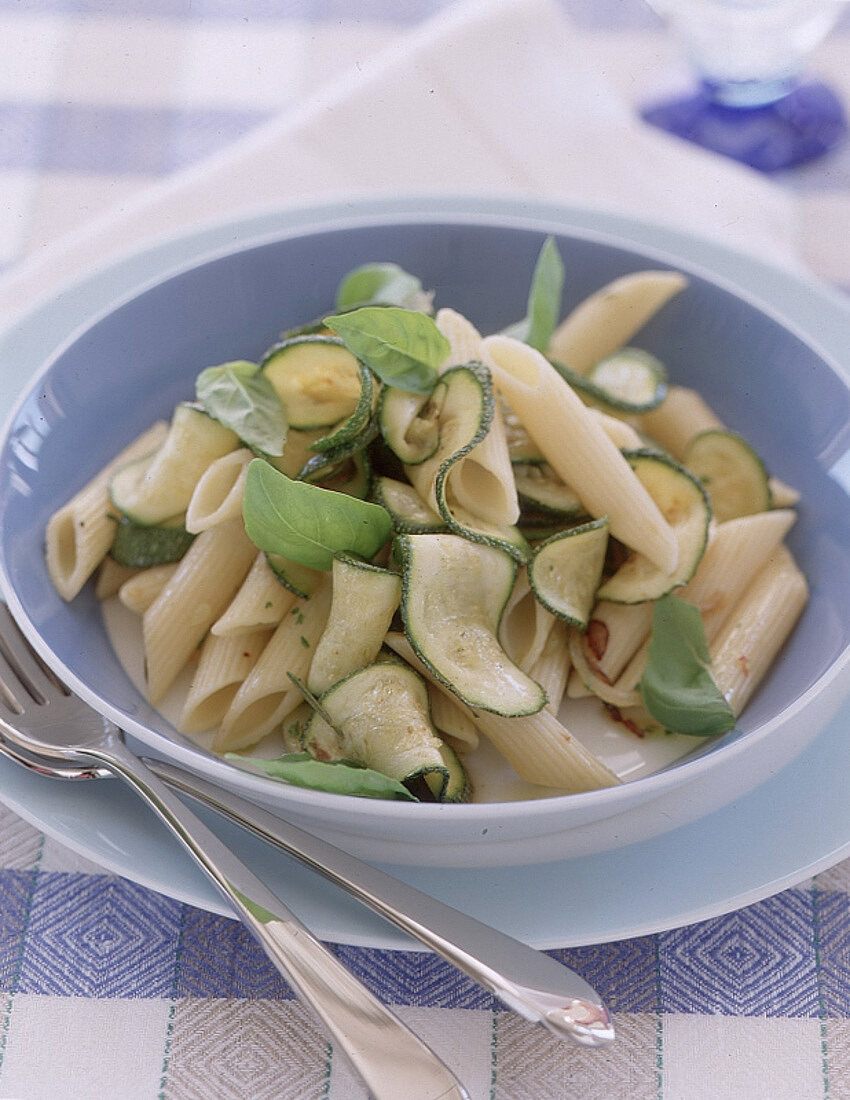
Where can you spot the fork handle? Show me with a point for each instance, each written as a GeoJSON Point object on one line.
{"type": "Point", "coordinates": [389, 1058]}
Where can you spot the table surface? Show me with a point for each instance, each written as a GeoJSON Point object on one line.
{"type": "Point", "coordinates": [110, 990]}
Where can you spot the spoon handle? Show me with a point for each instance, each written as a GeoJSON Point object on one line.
{"type": "Point", "coordinates": [533, 984]}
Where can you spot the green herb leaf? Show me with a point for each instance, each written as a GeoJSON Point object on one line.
{"type": "Point", "coordinates": [306, 523]}
{"type": "Point", "coordinates": [240, 396]}
{"type": "Point", "coordinates": [544, 299]}
{"type": "Point", "coordinates": [677, 686]}
{"type": "Point", "coordinates": [336, 776]}
{"type": "Point", "coordinates": [403, 347]}
{"type": "Point", "coordinates": [377, 284]}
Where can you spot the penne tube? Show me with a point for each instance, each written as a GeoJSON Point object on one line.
{"type": "Point", "coordinates": [757, 628]}
{"type": "Point", "coordinates": [537, 746]}
{"type": "Point", "coordinates": [268, 695]}
{"type": "Point", "coordinates": [609, 318]}
{"type": "Point", "coordinates": [621, 693]}
{"type": "Point", "coordinates": [552, 668]}
{"type": "Point", "coordinates": [193, 598]}
{"type": "Point", "coordinates": [681, 415]}
{"type": "Point", "coordinates": [450, 719]}
{"type": "Point", "coordinates": [525, 624]}
{"type": "Point", "coordinates": [217, 497]}
{"type": "Point", "coordinates": [736, 551]}
{"type": "Point", "coordinates": [261, 602]}
{"type": "Point", "coordinates": [110, 577]}
{"type": "Point", "coordinates": [223, 666]}
{"type": "Point", "coordinates": [80, 533]}
{"type": "Point", "coordinates": [620, 432]}
{"type": "Point", "coordinates": [614, 634]}
{"type": "Point", "coordinates": [579, 450]}
{"type": "Point", "coordinates": [463, 337]}
{"type": "Point", "coordinates": [138, 593]}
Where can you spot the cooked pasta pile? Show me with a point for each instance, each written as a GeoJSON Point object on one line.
{"type": "Point", "coordinates": [554, 516]}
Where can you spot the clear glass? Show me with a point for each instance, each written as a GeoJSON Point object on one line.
{"type": "Point", "coordinates": [750, 57]}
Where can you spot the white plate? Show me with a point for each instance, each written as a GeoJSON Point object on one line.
{"type": "Point", "coordinates": [681, 876]}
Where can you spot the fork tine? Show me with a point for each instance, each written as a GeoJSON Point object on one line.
{"type": "Point", "coordinates": [24, 664]}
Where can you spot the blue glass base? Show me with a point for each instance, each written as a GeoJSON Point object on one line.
{"type": "Point", "coordinates": [800, 126]}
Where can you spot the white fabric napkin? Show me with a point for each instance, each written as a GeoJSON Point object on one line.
{"type": "Point", "coordinates": [491, 97]}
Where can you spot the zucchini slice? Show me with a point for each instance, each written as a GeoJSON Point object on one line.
{"type": "Point", "coordinates": [357, 426]}
{"type": "Point", "coordinates": [632, 380]}
{"type": "Point", "coordinates": [629, 382]}
{"type": "Point", "coordinates": [159, 486]}
{"type": "Point", "coordinates": [565, 571]}
{"type": "Point", "coordinates": [408, 511]}
{"type": "Point", "coordinates": [464, 399]}
{"type": "Point", "coordinates": [733, 474]}
{"type": "Point", "coordinates": [317, 379]}
{"type": "Point", "coordinates": [365, 598]}
{"type": "Point", "coordinates": [453, 595]}
{"type": "Point", "coordinates": [381, 719]}
{"type": "Point", "coordinates": [684, 503]}
{"type": "Point", "coordinates": [140, 546]}
{"type": "Point", "coordinates": [410, 423]}
{"type": "Point", "coordinates": [541, 490]}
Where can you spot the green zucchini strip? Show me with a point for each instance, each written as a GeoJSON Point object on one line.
{"type": "Point", "coordinates": [565, 570]}
{"type": "Point", "coordinates": [684, 504]}
{"type": "Point", "coordinates": [365, 598]}
{"type": "Point", "coordinates": [381, 719]}
{"type": "Point", "coordinates": [453, 595]}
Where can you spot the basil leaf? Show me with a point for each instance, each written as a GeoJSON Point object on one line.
{"type": "Point", "coordinates": [677, 686]}
{"type": "Point", "coordinates": [240, 396]}
{"type": "Point", "coordinates": [402, 346]}
{"type": "Point", "coordinates": [544, 299]}
{"type": "Point", "coordinates": [307, 523]}
{"type": "Point", "coordinates": [336, 776]}
{"type": "Point", "coordinates": [377, 284]}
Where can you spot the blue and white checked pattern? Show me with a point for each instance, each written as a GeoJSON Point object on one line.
{"type": "Point", "coordinates": [109, 990]}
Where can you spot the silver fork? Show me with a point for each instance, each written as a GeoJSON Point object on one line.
{"type": "Point", "coordinates": [533, 984]}
{"type": "Point", "coordinates": [45, 718]}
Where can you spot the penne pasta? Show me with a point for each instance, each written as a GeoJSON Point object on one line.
{"type": "Point", "coordinates": [193, 598]}
{"type": "Point", "coordinates": [138, 592]}
{"type": "Point", "coordinates": [217, 497]}
{"type": "Point", "coordinates": [261, 602]}
{"type": "Point", "coordinates": [268, 695]}
{"type": "Point", "coordinates": [451, 719]}
{"type": "Point", "coordinates": [757, 628]}
{"type": "Point", "coordinates": [110, 577]}
{"type": "Point", "coordinates": [525, 625]}
{"type": "Point", "coordinates": [552, 668]}
{"type": "Point", "coordinates": [580, 451]}
{"type": "Point", "coordinates": [609, 318]}
{"type": "Point", "coordinates": [681, 415]}
{"type": "Point", "coordinates": [223, 665]}
{"type": "Point", "coordinates": [80, 533]}
{"type": "Point", "coordinates": [736, 550]}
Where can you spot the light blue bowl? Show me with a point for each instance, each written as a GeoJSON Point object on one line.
{"type": "Point", "coordinates": [124, 369]}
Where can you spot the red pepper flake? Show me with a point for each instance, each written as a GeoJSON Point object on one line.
{"type": "Point", "coordinates": [630, 724]}
{"type": "Point", "coordinates": [597, 638]}
{"type": "Point", "coordinates": [744, 662]}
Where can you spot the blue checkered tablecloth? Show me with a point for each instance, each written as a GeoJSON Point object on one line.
{"type": "Point", "coordinates": [110, 990]}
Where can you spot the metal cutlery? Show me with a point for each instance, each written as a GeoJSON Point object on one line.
{"type": "Point", "coordinates": [533, 984]}
{"type": "Point", "coordinates": [41, 716]}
